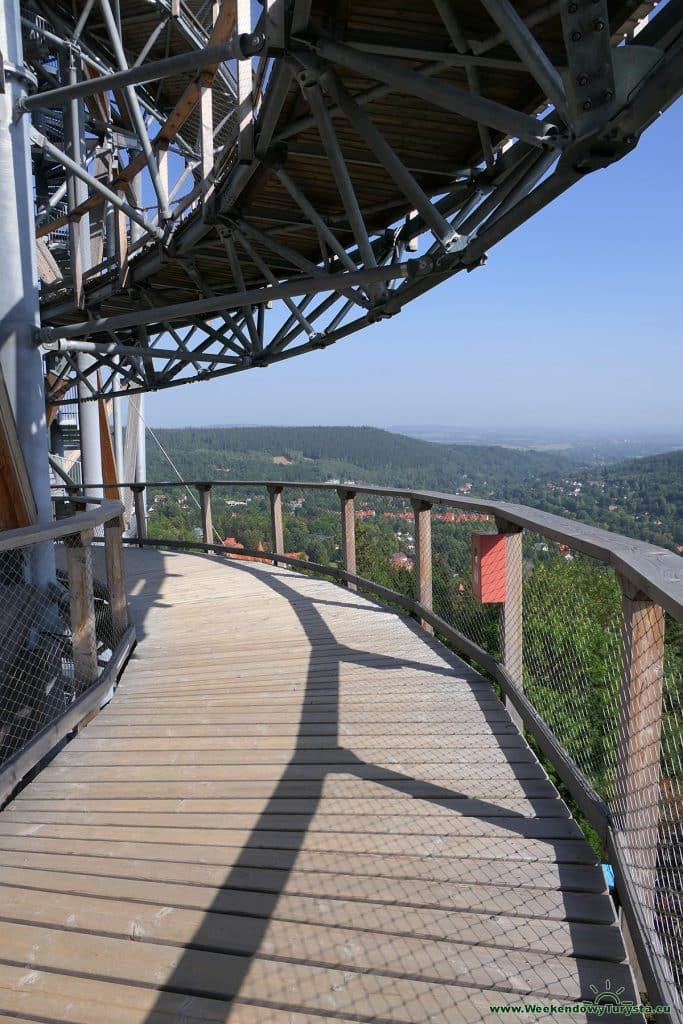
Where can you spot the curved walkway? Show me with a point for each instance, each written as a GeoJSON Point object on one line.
{"type": "Point", "coordinates": [297, 809]}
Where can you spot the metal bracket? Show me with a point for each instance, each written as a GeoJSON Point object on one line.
{"type": "Point", "coordinates": [19, 74]}
{"type": "Point", "coordinates": [276, 33]}
{"type": "Point", "coordinates": [590, 75]}
{"type": "Point", "coordinates": [631, 65]}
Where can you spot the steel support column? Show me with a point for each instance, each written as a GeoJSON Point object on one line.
{"type": "Point", "coordinates": [89, 421]}
{"type": "Point", "coordinates": [141, 458]}
{"type": "Point", "coordinates": [20, 360]}
{"type": "Point", "coordinates": [117, 410]}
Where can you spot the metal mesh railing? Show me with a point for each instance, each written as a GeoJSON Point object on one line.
{"type": "Point", "coordinates": [310, 526]}
{"type": "Point", "coordinates": [385, 544]}
{"type": "Point", "coordinates": [37, 679]}
{"type": "Point", "coordinates": [593, 664]}
{"type": "Point", "coordinates": [603, 666]}
{"type": "Point", "coordinates": [36, 664]}
{"type": "Point", "coordinates": [58, 635]}
{"type": "Point", "coordinates": [453, 597]}
{"type": "Point", "coordinates": [570, 629]}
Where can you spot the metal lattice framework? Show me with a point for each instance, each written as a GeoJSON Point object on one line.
{"type": "Point", "coordinates": [214, 192]}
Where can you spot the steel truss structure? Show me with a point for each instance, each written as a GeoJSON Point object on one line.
{"type": "Point", "coordinates": [215, 192]}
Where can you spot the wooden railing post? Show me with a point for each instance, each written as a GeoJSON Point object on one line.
{"type": "Point", "coordinates": [113, 555]}
{"type": "Point", "coordinates": [140, 519]}
{"type": "Point", "coordinates": [348, 531]}
{"type": "Point", "coordinates": [640, 735]}
{"type": "Point", "coordinates": [82, 607]}
{"type": "Point", "coordinates": [205, 503]}
{"type": "Point", "coordinates": [511, 619]}
{"type": "Point", "coordinates": [275, 494]}
{"type": "Point", "coordinates": [423, 556]}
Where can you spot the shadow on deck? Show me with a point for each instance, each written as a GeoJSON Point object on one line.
{"type": "Point", "coordinates": [304, 809]}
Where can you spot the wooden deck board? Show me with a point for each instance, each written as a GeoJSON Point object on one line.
{"type": "Point", "coordinates": [301, 809]}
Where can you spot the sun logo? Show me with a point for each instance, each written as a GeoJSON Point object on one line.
{"type": "Point", "coordinates": [608, 994]}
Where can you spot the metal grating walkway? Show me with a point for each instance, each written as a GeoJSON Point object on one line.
{"type": "Point", "coordinates": [297, 808]}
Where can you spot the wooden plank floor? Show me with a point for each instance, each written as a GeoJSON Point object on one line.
{"type": "Point", "coordinates": [297, 808]}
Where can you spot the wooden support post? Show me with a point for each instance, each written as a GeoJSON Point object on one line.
{"type": "Point", "coordinates": [348, 530]}
{"type": "Point", "coordinates": [423, 556]}
{"type": "Point", "coordinates": [511, 619]}
{"type": "Point", "coordinates": [640, 734]}
{"type": "Point", "coordinates": [276, 520]}
{"type": "Point", "coordinates": [82, 605]}
{"type": "Point", "coordinates": [113, 555]}
{"type": "Point", "coordinates": [205, 503]}
{"type": "Point", "coordinates": [140, 518]}
{"type": "Point", "coordinates": [17, 503]}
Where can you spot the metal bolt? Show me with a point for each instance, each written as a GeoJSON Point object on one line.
{"type": "Point", "coordinates": [598, 24]}
{"type": "Point", "coordinates": [587, 104]}
{"type": "Point", "coordinates": [576, 36]}
{"type": "Point", "coordinates": [573, 8]}
{"type": "Point", "coordinates": [607, 95]}
{"type": "Point", "coordinates": [582, 79]}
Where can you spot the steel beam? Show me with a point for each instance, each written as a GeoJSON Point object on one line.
{"type": "Point", "coordinates": [314, 217]}
{"type": "Point", "coordinates": [235, 300]}
{"type": "Point", "coordinates": [245, 102]}
{"type": "Point", "coordinates": [89, 425]}
{"type": "Point", "coordinates": [452, 25]}
{"type": "Point", "coordinates": [269, 276]}
{"type": "Point", "coordinates": [291, 256]}
{"type": "Point", "coordinates": [440, 227]}
{"type": "Point", "coordinates": [441, 94]}
{"type": "Point", "coordinates": [80, 24]}
{"type": "Point", "coordinates": [134, 111]}
{"type": "Point", "coordinates": [525, 45]}
{"type": "Point", "coordinates": [236, 269]}
{"type": "Point", "coordinates": [94, 183]}
{"type": "Point", "coordinates": [342, 177]}
{"type": "Point", "coordinates": [109, 348]}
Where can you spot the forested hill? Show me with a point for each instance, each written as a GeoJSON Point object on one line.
{"type": "Point", "coordinates": [363, 454]}
{"type": "Point", "coordinates": [641, 497]}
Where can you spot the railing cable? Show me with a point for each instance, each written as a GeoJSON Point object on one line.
{"type": "Point", "coordinates": [175, 469]}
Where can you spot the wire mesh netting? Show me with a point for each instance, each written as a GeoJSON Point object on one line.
{"type": "Point", "coordinates": [385, 543]}
{"type": "Point", "coordinates": [171, 513]}
{"type": "Point", "coordinates": [604, 668]}
{"type": "Point", "coordinates": [453, 596]}
{"type": "Point", "coordinates": [241, 519]}
{"type": "Point", "coordinates": [311, 526]}
{"type": "Point", "coordinates": [37, 678]}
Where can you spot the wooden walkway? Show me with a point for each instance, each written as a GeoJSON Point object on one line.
{"type": "Point", "coordinates": [298, 809]}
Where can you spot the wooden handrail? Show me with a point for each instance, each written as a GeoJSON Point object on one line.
{"type": "Point", "coordinates": [102, 513]}
{"type": "Point", "coordinates": [654, 571]}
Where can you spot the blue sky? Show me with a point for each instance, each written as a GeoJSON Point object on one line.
{"type": "Point", "coordinates": [576, 321]}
